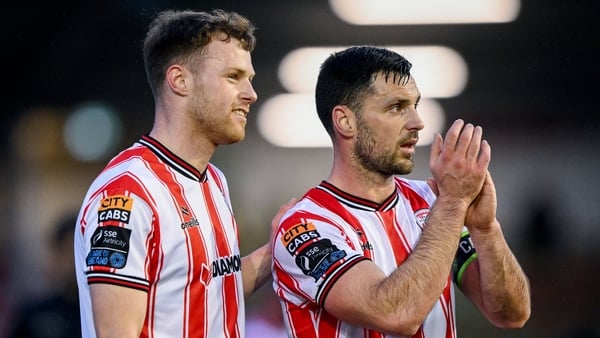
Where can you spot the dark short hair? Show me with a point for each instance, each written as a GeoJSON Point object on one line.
{"type": "Point", "coordinates": [177, 36]}
{"type": "Point", "coordinates": [345, 78]}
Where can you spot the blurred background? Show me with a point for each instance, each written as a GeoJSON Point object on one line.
{"type": "Point", "coordinates": [527, 71]}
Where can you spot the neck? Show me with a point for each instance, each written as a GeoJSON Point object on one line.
{"type": "Point", "coordinates": [190, 148]}
{"type": "Point", "coordinates": [360, 182]}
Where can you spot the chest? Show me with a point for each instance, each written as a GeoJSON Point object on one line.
{"type": "Point", "coordinates": [388, 237]}
{"type": "Point", "coordinates": [197, 227]}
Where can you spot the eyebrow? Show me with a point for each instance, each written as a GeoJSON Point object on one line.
{"type": "Point", "coordinates": [240, 71]}
{"type": "Point", "coordinates": [403, 102]}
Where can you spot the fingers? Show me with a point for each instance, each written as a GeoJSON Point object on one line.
{"type": "Point", "coordinates": [289, 204]}
{"type": "Point", "coordinates": [485, 154]}
{"type": "Point", "coordinates": [283, 208]}
{"type": "Point", "coordinates": [452, 136]}
{"type": "Point", "coordinates": [436, 149]}
{"type": "Point", "coordinates": [464, 140]}
{"type": "Point", "coordinates": [489, 183]}
{"type": "Point", "coordinates": [467, 143]}
{"type": "Point", "coordinates": [474, 142]}
{"type": "Point", "coordinates": [460, 160]}
{"type": "Point", "coordinates": [277, 218]}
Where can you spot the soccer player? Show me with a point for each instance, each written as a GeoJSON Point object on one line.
{"type": "Point", "coordinates": [156, 242]}
{"type": "Point", "coordinates": [367, 253]}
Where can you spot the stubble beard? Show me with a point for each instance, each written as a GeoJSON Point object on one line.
{"type": "Point", "coordinates": [220, 128]}
{"type": "Point", "coordinates": [383, 161]}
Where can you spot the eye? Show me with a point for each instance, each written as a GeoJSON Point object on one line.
{"type": "Point", "coordinates": [397, 108]}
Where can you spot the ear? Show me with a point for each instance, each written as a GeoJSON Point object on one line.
{"type": "Point", "coordinates": [344, 121]}
{"type": "Point", "coordinates": [178, 79]}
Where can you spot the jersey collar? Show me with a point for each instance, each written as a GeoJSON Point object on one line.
{"type": "Point", "coordinates": [171, 159]}
{"type": "Point", "coordinates": [359, 202]}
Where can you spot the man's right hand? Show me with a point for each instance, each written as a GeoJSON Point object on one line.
{"type": "Point", "coordinates": [459, 162]}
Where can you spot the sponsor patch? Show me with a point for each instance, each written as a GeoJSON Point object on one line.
{"type": "Point", "coordinates": [226, 265]}
{"type": "Point", "coordinates": [299, 234]}
{"type": "Point", "coordinates": [192, 222]}
{"type": "Point", "coordinates": [109, 247]}
{"type": "Point", "coordinates": [317, 257]}
{"type": "Point", "coordinates": [115, 208]}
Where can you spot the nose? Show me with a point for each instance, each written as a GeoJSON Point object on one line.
{"type": "Point", "coordinates": [248, 94]}
{"type": "Point", "coordinates": [415, 122]}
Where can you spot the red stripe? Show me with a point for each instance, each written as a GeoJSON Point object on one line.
{"type": "Point", "coordinates": [419, 333]}
{"type": "Point", "coordinates": [127, 184]}
{"type": "Point", "coordinates": [395, 235]}
{"type": "Point", "coordinates": [230, 289]}
{"type": "Point", "coordinates": [447, 307]}
{"type": "Point", "coordinates": [108, 280]}
{"type": "Point", "coordinates": [300, 321]}
{"type": "Point", "coordinates": [329, 202]}
{"type": "Point", "coordinates": [373, 334]}
{"type": "Point", "coordinates": [196, 315]}
{"type": "Point", "coordinates": [197, 307]}
{"type": "Point", "coordinates": [329, 326]}
{"type": "Point", "coordinates": [287, 280]}
{"type": "Point", "coordinates": [416, 201]}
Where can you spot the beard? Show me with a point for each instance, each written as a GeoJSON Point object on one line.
{"type": "Point", "coordinates": [384, 160]}
{"type": "Point", "coordinates": [210, 120]}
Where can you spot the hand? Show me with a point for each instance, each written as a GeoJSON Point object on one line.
{"type": "Point", "coordinates": [277, 218]}
{"type": "Point", "coordinates": [431, 183]}
{"type": "Point", "coordinates": [256, 266]}
{"type": "Point", "coordinates": [459, 163]}
{"type": "Point", "coordinates": [482, 212]}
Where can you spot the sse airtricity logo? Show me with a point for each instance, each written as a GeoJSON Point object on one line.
{"type": "Point", "coordinates": [109, 247]}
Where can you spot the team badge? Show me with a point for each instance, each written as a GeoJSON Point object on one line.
{"type": "Point", "coordinates": [421, 216]}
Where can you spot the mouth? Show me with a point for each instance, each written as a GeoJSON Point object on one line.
{"type": "Point", "coordinates": [241, 112]}
{"type": "Point", "coordinates": [410, 145]}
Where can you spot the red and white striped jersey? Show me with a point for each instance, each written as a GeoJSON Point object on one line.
{"type": "Point", "coordinates": [327, 232]}
{"type": "Point", "coordinates": [151, 221]}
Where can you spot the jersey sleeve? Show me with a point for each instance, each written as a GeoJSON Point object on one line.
{"type": "Point", "coordinates": [310, 253]}
{"type": "Point", "coordinates": [119, 235]}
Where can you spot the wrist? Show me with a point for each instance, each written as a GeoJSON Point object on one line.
{"type": "Point", "coordinates": [485, 229]}
{"type": "Point", "coordinates": [458, 206]}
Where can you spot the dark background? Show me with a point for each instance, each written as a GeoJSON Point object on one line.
{"type": "Point", "coordinates": [536, 72]}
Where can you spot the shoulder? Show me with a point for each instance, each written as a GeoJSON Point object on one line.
{"type": "Point", "coordinates": [216, 175]}
{"type": "Point", "coordinates": [129, 173]}
{"type": "Point", "coordinates": [213, 170]}
{"type": "Point", "coordinates": [418, 187]}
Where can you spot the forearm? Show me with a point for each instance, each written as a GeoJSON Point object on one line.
{"type": "Point", "coordinates": [505, 294]}
{"type": "Point", "coordinates": [412, 290]}
{"type": "Point", "coordinates": [256, 269]}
